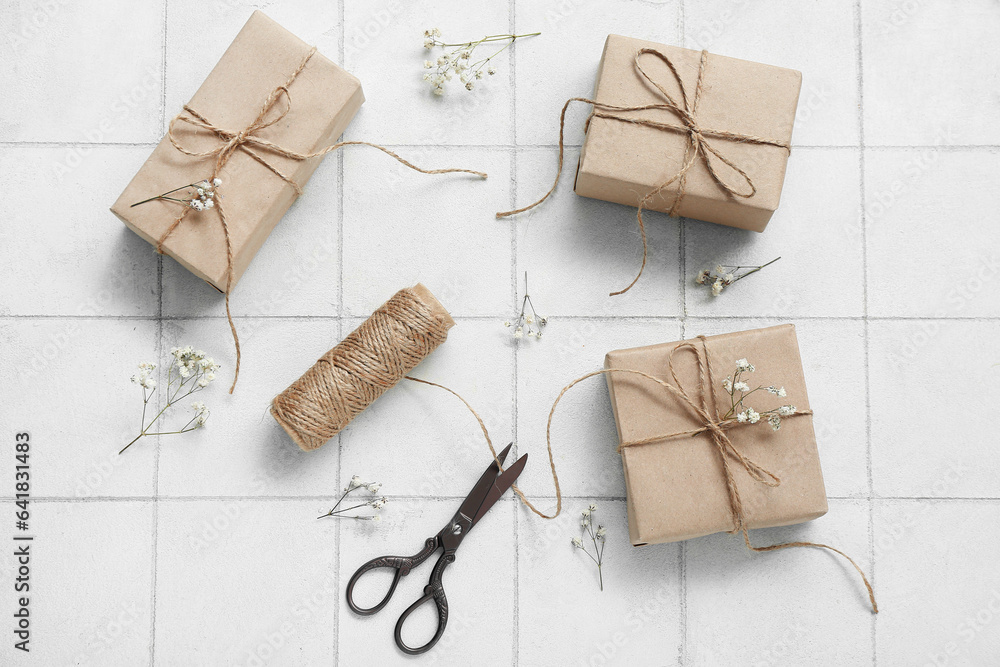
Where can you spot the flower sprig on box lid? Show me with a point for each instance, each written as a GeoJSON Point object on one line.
{"type": "Point", "coordinates": [200, 197]}
{"type": "Point", "coordinates": [457, 59]}
{"type": "Point", "coordinates": [739, 389]}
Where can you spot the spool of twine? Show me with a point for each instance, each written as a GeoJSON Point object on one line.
{"type": "Point", "coordinates": [371, 360]}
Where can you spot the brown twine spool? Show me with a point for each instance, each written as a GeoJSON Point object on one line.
{"type": "Point", "coordinates": [372, 359]}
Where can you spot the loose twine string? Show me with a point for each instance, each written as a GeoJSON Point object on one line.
{"type": "Point", "coordinates": [373, 358]}
{"type": "Point", "coordinates": [713, 424]}
{"type": "Point", "coordinates": [246, 140]}
{"type": "Point", "coordinates": [403, 331]}
{"type": "Point", "coordinates": [698, 145]}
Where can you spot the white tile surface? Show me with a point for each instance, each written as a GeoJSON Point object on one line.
{"type": "Point", "coordinates": [918, 571]}
{"type": "Point", "coordinates": [929, 74]}
{"type": "Point", "coordinates": [912, 271]}
{"type": "Point", "coordinates": [280, 612]}
{"type": "Point", "coordinates": [204, 549]}
{"type": "Point", "coordinates": [819, 43]}
{"type": "Point", "coordinates": [438, 229]}
{"type": "Point", "coordinates": [115, 272]}
{"type": "Point", "coordinates": [384, 48]}
{"type": "Point", "coordinates": [814, 233]}
{"type": "Point", "coordinates": [106, 58]}
{"type": "Point", "coordinates": [913, 452]}
{"type": "Point", "coordinates": [578, 250]}
{"type": "Point", "coordinates": [634, 620]}
{"type": "Point", "coordinates": [797, 606]}
{"type": "Point", "coordinates": [100, 599]}
{"type": "Point", "coordinates": [77, 432]}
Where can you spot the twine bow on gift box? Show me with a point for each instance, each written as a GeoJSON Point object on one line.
{"type": "Point", "coordinates": [698, 145]}
{"type": "Point", "coordinates": [248, 141]}
{"type": "Point", "coordinates": [717, 427]}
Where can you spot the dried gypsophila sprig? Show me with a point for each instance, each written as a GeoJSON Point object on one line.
{"type": "Point", "coordinates": [200, 197]}
{"type": "Point", "coordinates": [725, 275]}
{"type": "Point", "coordinates": [737, 384]}
{"type": "Point", "coordinates": [459, 59]}
{"type": "Point", "coordinates": [596, 537]}
{"type": "Point", "coordinates": [190, 371]}
{"type": "Point", "coordinates": [529, 323]}
{"type": "Point", "coordinates": [376, 502]}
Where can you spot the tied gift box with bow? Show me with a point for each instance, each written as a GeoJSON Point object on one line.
{"type": "Point", "coordinates": [708, 446]}
{"type": "Point", "coordinates": [685, 132]}
{"type": "Point", "coordinates": [249, 138]}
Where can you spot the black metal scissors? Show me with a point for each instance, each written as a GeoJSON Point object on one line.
{"type": "Point", "coordinates": [484, 494]}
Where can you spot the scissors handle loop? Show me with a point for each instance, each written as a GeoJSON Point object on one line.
{"type": "Point", "coordinates": [402, 565]}
{"type": "Point", "coordinates": [433, 591]}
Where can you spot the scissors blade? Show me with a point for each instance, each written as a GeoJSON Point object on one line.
{"type": "Point", "coordinates": [500, 486]}
{"type": "Point", "coordinates": [475, 498]}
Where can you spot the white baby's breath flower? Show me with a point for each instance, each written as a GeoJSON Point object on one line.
{"type": "Point", "coordinates": [438, 90]}
{"type": "Point", "coordinates": [601, 532]}
{"type": "Point", "coordinates": [786, 410]}
{"type": "Point", "coordinates": [216, 182]}
{"type": "Point", "coordinates": [775, 422]}
{"type": "Point", "coordinates": [727, 384]}
{"type": "Point", "coordinates": [741, 417]}
{"type": "Point", "coordinates": [469, 85]}
{"type": "Point", "coordinates": [374, 487]}
{"type": "Point", "coordinates": [519, 332]}
{"type": "Point", "coordinates": [744, 365]}
{"type": "Point", "coordinates": [752, 415]}
{"type": "Point", "coordinates": [428, 43]}
{"type": "Point", "coordinates": [717, 287]}
{"type": "Point", "coordinates": [491, 70]}
{"type": "Point", "coordinates": [592, 507]}
{"type": "Point", "coordinates": [377, 517]}
{"type": "Point", "coordinates": [741, 386]}
{"type": "Point", "coordinates": [702, 276]}
{"type": "Point", "coordinates": [577, 542]}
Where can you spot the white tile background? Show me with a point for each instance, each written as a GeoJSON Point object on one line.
{"type": "Point", "coordinates": [203, 550]}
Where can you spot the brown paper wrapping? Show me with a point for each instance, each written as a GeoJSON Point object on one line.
{"type": "Point", "coordinates": [324, 99]}
{"type": "Point", "coordinates": [676, 487]}
{"type": "Point", "coordinates": [622, 162]}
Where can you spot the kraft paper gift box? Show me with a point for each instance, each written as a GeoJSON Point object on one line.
{"type": "Point", "coordinates": [622, 161]}
{"type": "Point", "coordinates": [676, 486]}
{"type": "Point", "coordinates": [321, 102]}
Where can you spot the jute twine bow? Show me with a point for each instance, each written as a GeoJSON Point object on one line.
{"type": "Point", "coordinates": [362, 367]}
{"type": "Point", "coordinates": [248, 141]}
{"type": "Point", "coordinates": [717, 427]}
{"type": "Point", "coordinates": [698, 145]}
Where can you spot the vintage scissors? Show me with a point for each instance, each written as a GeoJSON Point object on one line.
{"type": "Point", "coordinates": [483, 496]}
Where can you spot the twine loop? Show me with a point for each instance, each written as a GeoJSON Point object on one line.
{"type": "Point", "coordinates": [698, 144]}
{"type": "Point", "coordinates": [706, 412]}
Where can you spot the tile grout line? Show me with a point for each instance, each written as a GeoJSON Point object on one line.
{"type": "Point", "coordinates": [512, 24]}
{"type": "Point", "coordinates": [341, 12]}
{"type": "Point", "coordinates": [859, 32]}
{"type": "Point", "coordinates": [159, 354]}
